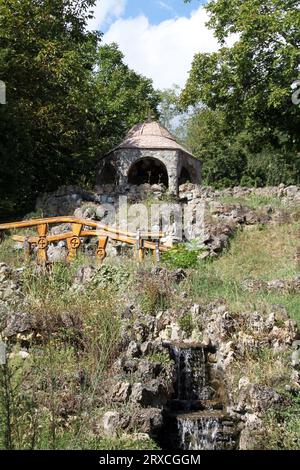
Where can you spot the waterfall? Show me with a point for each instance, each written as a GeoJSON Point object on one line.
{"type": "Point", "coordinates": [191, 373]}
{"type": "Point", "coordinates": [199, 433]}
{"type": "Point", "coordinates": [195, 419]}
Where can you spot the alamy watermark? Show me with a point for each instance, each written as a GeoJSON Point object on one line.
{"type": "Point", "coordinates": [2, 92]}
{"type": "Point", "coordinates": [177, 222]}
{"type": "Point", "coordinates": [296, 92]}
{"type": "Point", "coordinates": [2, 353]}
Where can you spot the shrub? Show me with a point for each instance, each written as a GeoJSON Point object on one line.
{"type": "Point", "coordinates": [282, 427]}
{"type": "Point", "coordinates": [186, 323]}
{"type": "Point", "coordinates": [181, 257]}
{"type": "Point", "coordinates": [152, 293]}
{"type": "Point", "coordinates": [109, 274]}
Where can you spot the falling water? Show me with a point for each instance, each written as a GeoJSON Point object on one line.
{"type": "Point", "coordinates": [192, 380]}
{"type": "Point", "coordinates": [199, 433]}
{"type": "Point", "coordinates": [195, 418]}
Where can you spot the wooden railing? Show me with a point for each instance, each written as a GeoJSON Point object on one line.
{"type": "Point", "coordinates": [81, 228]}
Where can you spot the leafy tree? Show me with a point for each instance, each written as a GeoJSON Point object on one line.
{"type": "Point", "coordinates": [250, 82]}
{"type": "Point", "coordinates": [223, 155]}
{"type": "Point", "coordinates": [46, 58]}
{"type": "Point", "coordinates": [69, 99]}
{"type": "Point", "coordinates": [123, 97]}
{"type": "Point", "coordinates": [169, 107]}
{"type": "Point", "coordinates": [237, 158]}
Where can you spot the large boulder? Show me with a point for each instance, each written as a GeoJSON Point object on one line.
{"type": "Point", "coordinates": [19, 323]}
{"type": "Point", "coordinates": [155, 393]}
{"type": "Point", "coordinates": [111, 423]}
{"type": "Point", "coordinates": [147, 420]}
{"type": "Point", "coordinates": [64, 201]}
{"type": "Point", "coordinates": [120, 392]}
{"type": "Point", "coordinates": [257, 398]}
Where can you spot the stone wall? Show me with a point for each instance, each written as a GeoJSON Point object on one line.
{"type": "Point", "coordinates": [210, 232]}
{"type": "Point", "coordinates": [173, 160]}
{"type": "Point", "coordinates": [66, 199]}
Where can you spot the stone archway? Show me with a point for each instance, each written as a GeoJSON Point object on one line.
{"type": "Point", "coordinates": [148, 170]}
{"type": "Point", "coordinates": [108, 174]}
{"type": "Point", "coordinates": [185, 177]}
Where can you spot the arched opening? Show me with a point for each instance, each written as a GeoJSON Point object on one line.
{"type": "Point", "coordinates": [184, 177]}
{"type": "Point", "coordinates": [148, 170]}
{"type": "Point", "coordinates": [108, 174]}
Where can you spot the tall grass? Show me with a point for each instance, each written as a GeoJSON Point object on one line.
{"type": "Point", "coordinates": [77, 338]}
{"type": "Point", "coordinates": [253, 201]}
{"type": "Point", "coordinates": [264, 254]}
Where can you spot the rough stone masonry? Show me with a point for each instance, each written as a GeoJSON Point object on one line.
{"type": "Point", "coordinates": [150, 154]}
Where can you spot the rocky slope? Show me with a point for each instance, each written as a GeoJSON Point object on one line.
{"type": "Point", "coordinates": [115, 327]}
{"type": "Point", "coordinates": [141, 381]}
{"type": "Point", "coordinates": [213, 216]}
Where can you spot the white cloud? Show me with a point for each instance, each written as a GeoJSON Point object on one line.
{"type": "Point", "coordinates": [105, 11]}
{"type": "Point", "coordinates": [163, 52]}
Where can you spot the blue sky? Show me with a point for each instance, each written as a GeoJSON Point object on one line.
{"type": "Point", "coordinates": [157, 10]}
{"type": "Point", "coordinates": [158, 38]}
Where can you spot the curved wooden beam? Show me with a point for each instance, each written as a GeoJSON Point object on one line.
{"type": "Point", "coordinates": [74, 220]}
{"type": "Point", "coordinates": [89, 233]}
{"type": "Point", "coordinates": [79, 230]}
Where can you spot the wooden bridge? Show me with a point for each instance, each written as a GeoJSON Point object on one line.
{"type": "Point", "coordinates": [81, 228]}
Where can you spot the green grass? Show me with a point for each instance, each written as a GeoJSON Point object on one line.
{"type": "Point", "coordinates": [123, 443]}
{"type": "Point", "coordinates": [78, 334]}
{"type": "Point", "coordinates": [15, 258]}
{"type": "Point", "coordinates": [282, 428]}
{"type": "Point", "coordinates": [256, 254]}
{"type": "Point", "coordinates": [253, 201]}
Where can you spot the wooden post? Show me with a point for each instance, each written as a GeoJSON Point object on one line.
{"type": "Point", "coordinates": [42, 244]}
{"type": "Point", "coordinates": [139, 246]}
{"type": "Point", "coordinates": [101, 250]}
{"type": "Point", "coordinates": [74, 242]}
{"type": "Point", "coordinates": [141, 250]}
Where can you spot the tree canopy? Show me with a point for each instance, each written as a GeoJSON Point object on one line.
{"type": "Point", "coordinates": [69, 98]}
{"type": "Point", "coordinates": [249, 85]}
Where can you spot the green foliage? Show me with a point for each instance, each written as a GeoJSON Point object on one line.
{"type": "Point", "coordinates": [8, 254]}
{"type": "Point", "coordinates": [282, 427]}
{"type": "Point", "coordinates": [69, 99]}
{"type": "Point", "coordinates": [152, 293]}
{"type": "Point", "coordinates": [79, 335]}
{"type": "Point", "coordinates": [46, 68]}
{"type": "Point", "coordinates": [186, 323]}
{"type": "Point", "coordinates": [108, 275]}
{"type": "Point", "coordinates": [124, 97]}
{"type": "Point", "coordinates": [253, 201]}
{"type": "Point", "coordinates": [123, 443]}
{"type": "Point", "coordinates": [248, 131]}
{"type": "Point", "coordinates": [169, 107]}
{"type": "Point", "coordinates": [181, 257]}
{"type": "Point", "coordinates": [223, 156]}
{"type": "Point", "coordinates": [152, 300]}
{"type": "Point", "coordinates": [159, 357]}
{"type": "Point", "coordinates": [16, 405]}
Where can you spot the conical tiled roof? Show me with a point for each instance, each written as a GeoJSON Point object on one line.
{"type": "Point", "coordinates": [150, 135]}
